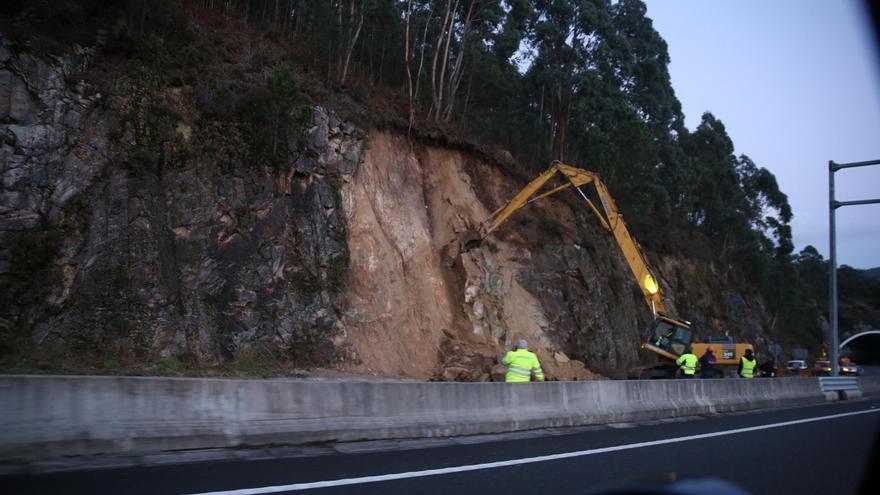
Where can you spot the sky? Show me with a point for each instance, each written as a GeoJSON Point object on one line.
{"type": "Point", "coordinates": [796, 84]}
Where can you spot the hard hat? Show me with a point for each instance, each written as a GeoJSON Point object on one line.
{"type": "Point", "coordinates": [522, 344]}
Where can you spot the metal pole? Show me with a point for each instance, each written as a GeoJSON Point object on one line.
{"type": "Point", "coordinates": [832, 303]}
{"type": "Point", "coordinates": [832, 275]}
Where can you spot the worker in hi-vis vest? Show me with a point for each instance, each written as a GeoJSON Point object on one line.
{"type": "Point", "coordinates": [688, 363]}
{"type": "Point", "coordinates": [747, 365]}
{"type": "Point", "coordinates": [521, 364]}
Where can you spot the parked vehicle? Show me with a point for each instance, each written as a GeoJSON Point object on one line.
{"type": "Point", "coordinates": [822, 368]}
{"type": "Point", "coordinates": [795, 365]}
{"type": "Point", "coordinates": [846, 368]}
{"type": "Point", "coordinates": [851, 369]}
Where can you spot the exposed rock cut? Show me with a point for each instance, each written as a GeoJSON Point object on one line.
{"type": "Point", "coordinates": [414, 310]}
{"type": "Point", "coordinates": [137, 226]}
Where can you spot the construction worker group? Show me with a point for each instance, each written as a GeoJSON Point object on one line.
{"type": "Point", "coordinates": [687, 364]}
{"type": "Point", "coordinates": [523, 365]}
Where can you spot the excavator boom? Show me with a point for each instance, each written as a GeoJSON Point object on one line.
{"type": "Point", "coordinates": [667, 336]}
{"type": "Point", "coordinates": [609, 216]}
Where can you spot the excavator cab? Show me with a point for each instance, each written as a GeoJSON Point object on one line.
{"type": "Point", "coordinates": [669, 336]}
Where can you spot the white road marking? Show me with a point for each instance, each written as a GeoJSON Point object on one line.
{"type": "Point", "coordinates": [515, 462]}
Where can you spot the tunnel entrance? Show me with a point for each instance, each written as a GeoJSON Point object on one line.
{"type": "Point", "coordinates": [863, 347]}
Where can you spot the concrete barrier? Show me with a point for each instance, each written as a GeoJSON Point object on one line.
{"type": "Point", "coordinates": [870, 386]}
{"type": "Point", "coordinates": [48, 416]}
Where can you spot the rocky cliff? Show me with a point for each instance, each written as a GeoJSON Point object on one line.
{"type": "Point", "coordinates": [138, 235]}
{"type": "Point", "coordinates": [121, 240]}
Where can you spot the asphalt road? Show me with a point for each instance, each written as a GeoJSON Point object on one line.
{"type": "Point", "coordinates": [823, 449]}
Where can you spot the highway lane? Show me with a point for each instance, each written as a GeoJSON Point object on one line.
{"type": "Point", "coordinates": [817, 449]}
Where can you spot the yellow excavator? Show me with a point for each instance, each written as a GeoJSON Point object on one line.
{"type": "Point", "coordinates": [667, 336]}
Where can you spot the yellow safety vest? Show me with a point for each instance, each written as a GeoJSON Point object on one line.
{"type": "Point", "coordinates": [520, 365]}
{"type": "Point", "coordinates": [688, 363]}
{"type": "Point", "coordinates": [748, 367]}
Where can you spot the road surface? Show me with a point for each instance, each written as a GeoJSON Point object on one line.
{"type": "Point", "coordinates": [817, 449]}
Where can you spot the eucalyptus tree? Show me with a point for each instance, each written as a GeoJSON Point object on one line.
{"type": "Point", "coordinates": [767, 207]}
{"type": "Point", "coordinates": [457, 28]}
{"type": "Point", "coordinates": [717, 204]}
{"type": "Point", "coordinates": [563, 35]}
{"type": "Point", "coordinates": [642, 61]}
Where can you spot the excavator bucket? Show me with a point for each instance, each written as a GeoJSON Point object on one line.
{"type": "Point", "coordinates": [469, 239]}
{"type": "Point", "coordinates": [463, 242]}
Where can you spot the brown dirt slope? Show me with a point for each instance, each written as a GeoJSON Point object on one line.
{"type": "Point", "coordinates": [413, 309]}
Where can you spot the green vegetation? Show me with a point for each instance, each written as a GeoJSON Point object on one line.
{"type": "Point", "coordinates": [169, 366]}
{"type": "Point", "coordinates": [273, 113]}
{"type": "Point", "coordinates": [136, 29]}
{"type": "Point", "coordinates": [805, 286]}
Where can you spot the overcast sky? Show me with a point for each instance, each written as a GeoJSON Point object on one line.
{"type": "Point", "coordinates": [796, 83]}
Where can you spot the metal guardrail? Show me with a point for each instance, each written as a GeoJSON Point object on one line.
{"type": "Point", "coordinates": [838, 383]}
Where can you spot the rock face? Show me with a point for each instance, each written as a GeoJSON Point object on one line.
{"type": "Point", "coordinates": [170, 254]}
{"type": "Point", "coordinates": [414, 310]}
{"type": "Point", "coordinates": [54, 144]}
{"type": "Point", "coordinates": [135, 228]}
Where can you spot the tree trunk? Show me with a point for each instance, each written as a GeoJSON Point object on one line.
{"type": "Point", "coordinates": [352, 42]}
{"type": "Point", "coordinates": [372, 71]}
{"type": "Point", "coordinates": [381, 62]}
{"type": "Point", "coordinates": [467, 100]}
{"type": "Point", "coordinates": [407, 61]}
{"type": "Point", "coordinates": [435, 88]}
{"type": "Point", "coordinates": [458, 69]}
{"type": "Point", "coordinates": [442, 82]}
{"type": "Point", "coordinates": [422, 56]}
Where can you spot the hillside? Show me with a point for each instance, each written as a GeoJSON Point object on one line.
{"type": "Point", "coordinates": [187, 192]}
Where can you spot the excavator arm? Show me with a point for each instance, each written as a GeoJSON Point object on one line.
{"type": "Point", "coordinates": [667, 336]}
{"type": "Point", "coordinates": [609, 216]}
